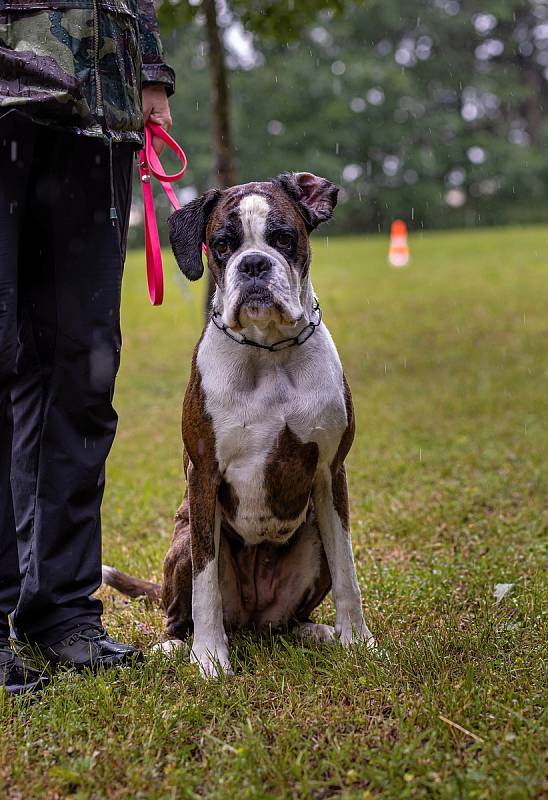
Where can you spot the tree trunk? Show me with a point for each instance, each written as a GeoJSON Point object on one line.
{"type": "Point", "coordinates": [223, 149]}
{"type": "Point", "coordinates": [220, 120]}
{"type": "Point", "coordinates": [533, 105]}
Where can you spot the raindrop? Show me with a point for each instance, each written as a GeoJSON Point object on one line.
{"type": "Point", "coordinates": [13, 150]}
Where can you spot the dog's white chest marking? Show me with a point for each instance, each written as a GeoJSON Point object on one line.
{"type": "Point", "coordinates": [252, 400]}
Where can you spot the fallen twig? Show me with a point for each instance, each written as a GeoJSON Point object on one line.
{"type": "Point", "coordinates": [460, 728]}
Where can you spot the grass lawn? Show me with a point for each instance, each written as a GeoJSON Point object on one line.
{"type": "Point", "coordinates": [447, 362]}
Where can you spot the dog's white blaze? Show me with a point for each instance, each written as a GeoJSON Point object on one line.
{"type": "Point", "coordinates": [254, 210]}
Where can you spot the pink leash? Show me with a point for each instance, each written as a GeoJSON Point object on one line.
{"type": "Point", "coordinates": [150, 165]}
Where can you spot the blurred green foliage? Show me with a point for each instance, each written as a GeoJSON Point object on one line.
{"type": "Point", "coordinates": [432, 111]}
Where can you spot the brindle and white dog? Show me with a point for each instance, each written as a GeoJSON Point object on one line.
{"type": "Point", "coordinates": [263, 532]}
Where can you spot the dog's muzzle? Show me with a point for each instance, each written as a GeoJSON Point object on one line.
{"type": "Point", "coordinates": [254, 274]}
{"type": "Point", "coordinates": [258, 291]}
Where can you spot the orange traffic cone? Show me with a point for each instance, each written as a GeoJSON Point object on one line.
{"type": "Point", "coordinates": [398, 254]}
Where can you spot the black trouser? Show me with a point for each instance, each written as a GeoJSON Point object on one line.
{"type": "Point", "coordinates": [61, 262]}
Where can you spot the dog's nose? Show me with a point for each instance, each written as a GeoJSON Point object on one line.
{"type": "Point", "coordinates": [254, 265]}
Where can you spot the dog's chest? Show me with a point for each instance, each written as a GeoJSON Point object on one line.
{"type": "Point", "coordinates": [275, 425]}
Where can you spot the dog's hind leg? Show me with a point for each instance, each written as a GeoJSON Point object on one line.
{"type": "Point", "coordinates": [311, 631]}
{"type": "Point", "coordinates": [177, 584]}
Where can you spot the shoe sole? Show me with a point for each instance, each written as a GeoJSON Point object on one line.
{"type": "Point", "coordinates": [29, 688]}
{"type": "Point", "coordinates": [67, 666]}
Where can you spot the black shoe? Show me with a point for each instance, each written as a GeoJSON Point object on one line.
{"type": "Point", "coordinates": [89, 647]}
{"type": "Point", "coordinates": [17, 677]}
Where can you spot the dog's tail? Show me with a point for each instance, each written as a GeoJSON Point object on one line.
{"type": "Point", "coordinates": [132, 587]}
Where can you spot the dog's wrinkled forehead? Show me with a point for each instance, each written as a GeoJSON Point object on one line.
{"type": "Point", "coordinates": [255, 212]}
{"type": "Point", "coordinates": [246, 209]}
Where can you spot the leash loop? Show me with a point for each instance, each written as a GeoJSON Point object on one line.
{"type": "Point", "coordinates": [150, 166]}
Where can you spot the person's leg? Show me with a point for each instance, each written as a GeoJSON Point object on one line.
{"type": "Point", "coordinates": [16, 144]}
{"type": "Point", "coordinates": [62, 398]}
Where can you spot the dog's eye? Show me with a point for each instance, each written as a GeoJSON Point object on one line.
{"type": "Point", "coordinates": [283, 240]}
{"type": "Point", "coordinates": [223, 248]}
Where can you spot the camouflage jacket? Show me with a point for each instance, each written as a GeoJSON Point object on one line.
{"type": "Point", "coordinates": [80, 64]}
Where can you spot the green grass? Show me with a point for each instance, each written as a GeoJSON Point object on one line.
{"type": "Point", "coordinates": [447, 362]}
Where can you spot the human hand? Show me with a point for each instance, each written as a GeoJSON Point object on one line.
{"type": "Point", "coordinates": [156, 109]}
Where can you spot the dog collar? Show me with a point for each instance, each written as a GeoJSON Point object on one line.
{"type": "Point", "coordinates": [282, 344]}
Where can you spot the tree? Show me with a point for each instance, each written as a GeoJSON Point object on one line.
{"type": "Point", "coordinates": [220, 113]}
{"type": "Point", "coordinates": [434, 111]}
{"type": "Point", "coordinates": [269, 19]}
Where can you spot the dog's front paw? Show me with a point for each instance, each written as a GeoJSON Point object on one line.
{"type": "Point", "coordinates": [211, 658]}
{"type": "Point", "coordinates": [353, 630]}
{"type": "Point", "coordinates": [170, 647]}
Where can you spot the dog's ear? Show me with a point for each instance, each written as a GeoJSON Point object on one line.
{"type": "Point", "coordinates": [315, 197]}
{"type": "Point", "coordinates": [187, 232]}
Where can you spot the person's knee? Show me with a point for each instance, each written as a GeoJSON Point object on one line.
{"type": "Point", "coordinates": [104, 361]}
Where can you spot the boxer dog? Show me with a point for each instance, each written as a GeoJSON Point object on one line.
{"type": "Point", "coordinates": [263, 532]}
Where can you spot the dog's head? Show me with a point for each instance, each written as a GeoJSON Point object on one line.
{"type": "Point", "coordinates": [257, 238]}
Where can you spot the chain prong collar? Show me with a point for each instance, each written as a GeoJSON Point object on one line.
{"type": "Point", "coordinates": [283, 344]}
